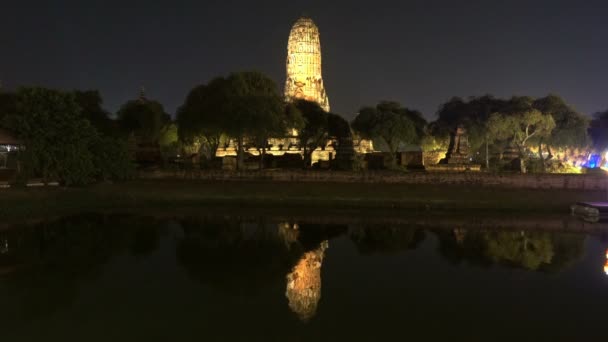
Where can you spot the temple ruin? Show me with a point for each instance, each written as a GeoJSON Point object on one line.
{"type": "Point", "coordinates": [304, 81]}
{"type": "Point", "coordinates": [304, 72]}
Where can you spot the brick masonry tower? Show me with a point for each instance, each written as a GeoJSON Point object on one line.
{"type": "Point", "coordinates": [304, 73]}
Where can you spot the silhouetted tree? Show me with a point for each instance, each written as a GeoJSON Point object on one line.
{"type": "Point", "coordinates": [90, 103]}
{"type": "Point", "coordinates": [598, 130]}
{"type": "Point", "coordinates": [339, 129]}
{"type": "Point", "coordinates": [8, 104]}
{"type": "Point", "coordinates": [390, 122]}
{"type": "Point", "coordinates": [57, 137]}
{"type": "Point", "coordinates": [315, 131]}
{"type": "Point", "coordinates": [144, 118]}
{"type": "Point", "coordinates": [251, 98]}
{"type": "Point", "coordinates": [201, 119]}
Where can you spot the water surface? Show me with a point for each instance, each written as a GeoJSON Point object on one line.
{"type": "Point", "coordinates": [126, 278]}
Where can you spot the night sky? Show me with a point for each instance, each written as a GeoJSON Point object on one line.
{"type": "Point", "coordinates": [419, 53]}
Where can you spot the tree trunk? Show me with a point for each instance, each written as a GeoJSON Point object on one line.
{"type": "Point", "coordinates": [214, 145]}
{"type": "Point", "coordinates": [240, 155]}
{"type": "Point", "coordinates": [308, 158]}
{"type": "Point", "coordinates": [487, 156]}
{"type": "Point", "coordinates": [522, 162]}
{"type": "Point", "coordinates": [540, 155]}
{"type": "Point", "coordinates": [393, 152]}
{"type": "Point", "coordinates": [304, 156]}
{"type": "Point", "coordinates": [550, 154]}
{"type": "Point", "coordinates": [262, 154]}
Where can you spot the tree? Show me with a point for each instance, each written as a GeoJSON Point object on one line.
{"type": "Point", "coordinates": [571, 127]}
{"type": "Point", "coordinates": [250, 100]}
{"type": "Point", "coordinates": [111, 159]}
{"type": "Point", "coordinates": [56, 136]}
{"type": "Point", "coordinates": [273, 123]}
{"type": "Point", "coordinates": [598, 130]}
{"type": "Point", "coordinates": [473, 115]}
{"type": "Point", "coordinates": [339, 129]}
{"type": "Point", "coordinates": [521, 129]}
{"type": "Point", "coordinates": [143, 118]}
{"type": "Point", "coordinates": [389, 122]}
{"type": "Point", "coordinates": [90, 103]}
{"type": "Point", "coordinates": [201, 118]}
{"type": "Point", "coordinates": [8, 104]}
{"type": "Point", "coordinates": [315, 131]}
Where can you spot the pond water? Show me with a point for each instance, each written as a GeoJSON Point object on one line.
{"type": "Point", "coordinates": [125, 278]}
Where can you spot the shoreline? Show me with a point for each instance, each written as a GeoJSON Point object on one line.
{"type": "Point", "coordinates": [393, 200]}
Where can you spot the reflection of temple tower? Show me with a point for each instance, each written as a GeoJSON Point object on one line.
{"type": "Point", "coordinates": [304, 75]}
{"type": "Point", "coordinates": [606, 265]}
{"type": "Point", "coordinates": [304, 283]}
{"type": "Point", "coordinates": [460, 235]}
{"type": "Point", "coordinates": [288, 233]}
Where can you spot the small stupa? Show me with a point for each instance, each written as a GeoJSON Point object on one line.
{"type": "Point", "coordinates": [458, 151]}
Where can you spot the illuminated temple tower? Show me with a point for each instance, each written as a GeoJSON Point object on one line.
{"type": "Point", "coordinates": [304, 76]}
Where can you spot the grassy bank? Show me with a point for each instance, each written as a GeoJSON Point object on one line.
{"type": "Point", "coordinates": [167, 195]}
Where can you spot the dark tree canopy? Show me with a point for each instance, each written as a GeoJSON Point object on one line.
{"type": "Point", "coordinates": [60, 143]}
{"type": "Point", "coordinates": [201, 118]}
{"type": "Point", "coordinates": [90, 103]}
{"type": "Point", "coordinates": [570, 126]}
{"type": "Point", "coordinates": [315, 131]}
{"type": "Point", "coordinates": [337, 126]}
{"type": "Point", "coordinates": [391, 123]}
{"type": "Point", "coordinates": [8, 104]}
{"type": "Point", "coordinates": [598, 130]}
{"type": "Point", "coordinates": [252, 109]}
{"type": "Point", "coordinates": [142, 117]}
{"type": "Point", "coordinates": [57, 137]}
{"type": "Point", "coordinates": [472, 114]}
{"type": "Point", "coordinates": [339, 129]}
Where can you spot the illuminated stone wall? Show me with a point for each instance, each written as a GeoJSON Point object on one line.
{"type": "Point", "coordinates": [304, 73]}
{"type": "Point", "coordinates": [593, 182]}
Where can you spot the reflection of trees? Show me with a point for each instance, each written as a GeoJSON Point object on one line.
{"type": "Point", "coordinates": [385, 239]}
{"type": "Point", "coordinates": [542, 251]}
{"type": "Point", "coordinates": [45, 264]}
{"type": "Point", "coordinates": [235, 256]}
{"type": "Point", "coordinates": [231, 255]}
{"type": "Point", "coordinates": [528, 250]}
{"type": "Point", "coordinates": [568, 248]}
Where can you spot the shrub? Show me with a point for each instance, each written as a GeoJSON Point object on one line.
{"type": "Point", "coordinates": [112, 159]}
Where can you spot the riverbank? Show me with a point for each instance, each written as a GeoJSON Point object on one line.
{"type": "Point", "coordinates": [313, 198]}
{"type": "Point", "coordinates": [597, 180]}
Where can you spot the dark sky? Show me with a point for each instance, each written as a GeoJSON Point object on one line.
{"type": "Point", "coordinates": [419, 53]}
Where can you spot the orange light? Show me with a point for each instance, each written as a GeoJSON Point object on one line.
{"type": "Point", "coordinates": [606, 265]}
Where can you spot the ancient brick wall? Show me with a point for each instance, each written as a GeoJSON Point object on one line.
{"type": "Point", "coordinates": [476, 179]}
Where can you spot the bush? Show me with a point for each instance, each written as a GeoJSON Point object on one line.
{"type": "Point", "coordinates": [112, 159]}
